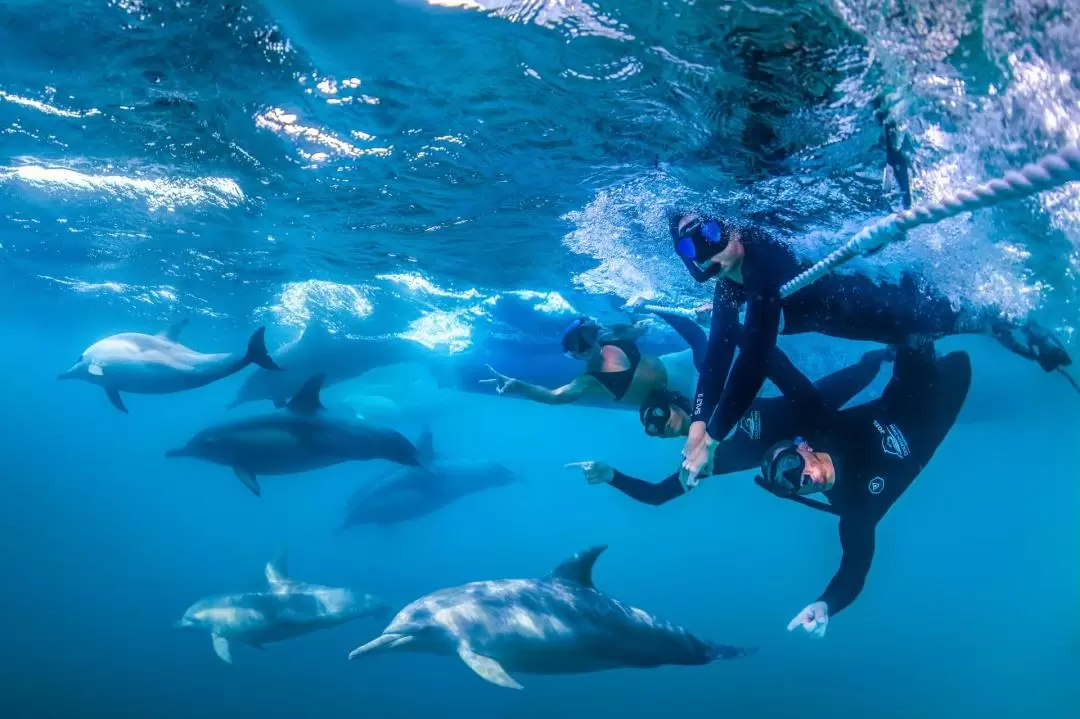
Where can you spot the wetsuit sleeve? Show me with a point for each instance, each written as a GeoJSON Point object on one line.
{"type": "Point", "coordinates": [804, 398]}
{"type": "Point", "coordinates": [647, 492]}
{"type": "Point", "coordinates": [857, 542]}
{"type": "Point", "coordinates": [748, 374]}
{"type": "Point", "coordinates": [838, 388]}
{"type": "Point", "coordinates": [721, 349]}
{"type": "Point", "coordinates": [691, 334]}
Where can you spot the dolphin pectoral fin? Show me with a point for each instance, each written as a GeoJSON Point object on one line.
{"type": "Point", "coordinates": [116, 400]}
{"type": "Point", "coordinates": [173, 333]}
{"type": "Point", "coordinates": [221, 648]}
{"type": "Point", "coordinates": [425, 447]}
{"type": "Point", "coordinates": [487, 667]}
{"type": "Point", "coordinates": [277, 574]}
{"type": "Point", "coordinates": [249, 480]}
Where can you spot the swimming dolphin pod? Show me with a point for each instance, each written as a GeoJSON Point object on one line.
{"type": "Point", "coordinates": [410, 492]}
{"type": "Point", "coordinates": [337, 358]}
{"type": "Point", "coordinates": [558, 624]}
{"type": "Point", "coordinates": [285, 610]}
{"type": "Point", "coordinates": [159, 364]}
{"type": "Point", "coordinates": [302, 436]}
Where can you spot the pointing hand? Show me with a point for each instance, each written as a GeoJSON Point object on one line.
{"type": "Point", "coordinates": [595, 472]}
{"type": "Point", "coordinates": [502, 382]}
{"type": "Point", "coordinates": [814, 620]}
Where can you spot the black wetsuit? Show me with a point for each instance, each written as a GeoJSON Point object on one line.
{"type": "Point", "coordinates": [768, 421]}
{"type": "Point", "coordinates": [879, 448]}
{"type": "Point", "coordinates": [844, 306]}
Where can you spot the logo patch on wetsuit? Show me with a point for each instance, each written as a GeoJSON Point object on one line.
{"type": "Point", "coordinates": [876, 485]}
{"type": "Point", "coordinates": [751, 424]}
{"type": "Point", "coordinates": [893, 440]}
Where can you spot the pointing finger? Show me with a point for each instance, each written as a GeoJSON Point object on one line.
{"type": "Point", "coordinates": [576, 465]}
{"type": "Point", "coordinates": [794, 623]}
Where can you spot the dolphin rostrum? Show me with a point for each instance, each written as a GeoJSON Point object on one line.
{"type": "Point", "coordinates": [159, 364]}
{"type": "Point", "coordinates": [301, 437]}
{"type": "Point", "coordinates": [285, 610]}
{"type": "Point", "coordinates": [558, 624]}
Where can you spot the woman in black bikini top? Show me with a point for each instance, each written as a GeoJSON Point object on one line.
{"type": "Point", "coordinates": [615, 368]}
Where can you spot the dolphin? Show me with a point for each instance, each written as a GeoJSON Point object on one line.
{"type": "Point", "coordinates": [302, 436]}
{"type": "Point", "coordinates": [410, 492]}
{"type": "Point", "coordinates": [316, 351]}
{"type": "Point", "coordinates": [159, 364]}
{"type": "Point", "coordinates": [285, 610]}
{"type": "Point", "coordinates": [559, 624]}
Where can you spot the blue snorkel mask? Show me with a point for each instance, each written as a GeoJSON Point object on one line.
{"type": "Point", "coordinates": [574, 342]}
{"type": "Point", "coordinates": [701, 240]}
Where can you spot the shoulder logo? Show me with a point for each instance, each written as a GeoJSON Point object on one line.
{"type": "Point", "coordinates": [877, 484]}
{"type": "Point", "coordinates": [893, 441]}
{"type": "Point", "coordinates": [751, 424]}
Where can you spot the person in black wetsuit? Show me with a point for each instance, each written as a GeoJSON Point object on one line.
{"type": "Point", "coordinates": [862, 458]}
{"type": "Point", "coordinates": [752, 266]}
{"type": "Point", "coordinates": [768, 420]}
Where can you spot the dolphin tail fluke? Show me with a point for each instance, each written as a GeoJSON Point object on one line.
{"type": "Point", "coordinates": [487, 668]}
{"type": "Point", "coordinates": [221, 648]}
{"type": "Point", "coordinates": [257, 352]}
{"type": "Point", "coordinates": [116, 399]}
{"type": "Point", "coordinates": [725, 651]}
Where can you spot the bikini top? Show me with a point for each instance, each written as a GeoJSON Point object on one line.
{"type": "Point", "coordinates": [619, 382]}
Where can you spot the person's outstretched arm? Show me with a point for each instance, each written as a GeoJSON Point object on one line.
{"type": "Point", "coordinates": [857, 542]}
{"type": "Point", "coordinates": [584, 386]}
{"type": "Point", "coordinates": [648, 492]}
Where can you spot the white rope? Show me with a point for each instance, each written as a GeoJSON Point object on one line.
{"type": "Point", "coordinates": [1050, 172]}
{"type": "Point", "coordinates": [667, 310]}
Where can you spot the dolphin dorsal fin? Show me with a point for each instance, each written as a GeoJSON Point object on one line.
{"type": "Point", "coordinates": [425, 447]}
{"type": "Point", "coordinates": [306, 401]}
{"type": "Point", "coordinates": [173, 333]}
{"type": "Point", "coordinates": [578, 569]}
{"type": "Point", "coordinates": [277, 574]}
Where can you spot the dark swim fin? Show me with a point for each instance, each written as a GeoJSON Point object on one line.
{"type": "Point", "coordinates": [116, 400]}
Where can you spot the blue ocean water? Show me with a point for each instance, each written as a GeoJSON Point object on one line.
{"type": "Point", "coordinates": [470, 176]}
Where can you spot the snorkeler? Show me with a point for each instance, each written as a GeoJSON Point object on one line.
{"type": "Point", "coordinates": [861, 458]}
{"type": "Point", "coordinates": [667, 415]}
{"type": "Point", "coordinates": [614, 365]}
{"type": "Point", "coordinates": [751, 267]}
